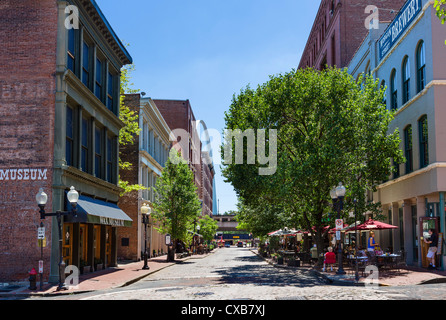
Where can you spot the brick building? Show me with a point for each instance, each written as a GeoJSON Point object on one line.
{"type": "Point", "coordinates": [207, 173]}
{"type": "Point", "coordinates": [59, 108]}
{"type": "Point", "coordinates": [148, 155]}
{"type": "Point", "coordinates": [339, 29]}
{"type": "Point", "coordinates": [408, 61]}
{"type": "Point", "coordinates": [181, 120]}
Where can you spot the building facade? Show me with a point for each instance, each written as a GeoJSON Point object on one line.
{"type": "Point", "coordinates": [59, 128]}
{"type": "Point", "coordinates": [407, 56]}
{"type": "Point", "coordinates": [147, 155]}
{"type": "Point", "coordinates": [185, 128]}
{"type": "Point", "coordinates": [339, 28]}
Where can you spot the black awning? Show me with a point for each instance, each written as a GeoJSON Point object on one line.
{"type": "Point", "coordinates": [96, 211]}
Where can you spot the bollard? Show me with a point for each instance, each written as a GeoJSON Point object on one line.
{"type": "Point", "coordinates": [32, 279]}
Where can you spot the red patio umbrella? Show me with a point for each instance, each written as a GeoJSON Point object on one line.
{"type": "Point", "coordinates": [372, 225]}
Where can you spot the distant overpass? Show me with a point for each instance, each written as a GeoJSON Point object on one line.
{"type": "Point", "coordinates": [226, 222]}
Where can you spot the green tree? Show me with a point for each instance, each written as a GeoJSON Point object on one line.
{"type": "Point", "coordinates": [208, 228]}
{"type": "Point", "coordinates": [439, 6]}
{"type": "Point", "coordinates": [261, 218]}
{"type": "Point", "coordinates": [176, 205]}
{"type": "Point", "coordinates": [330, 128]}
{"type": "Point", "coordinates": [131, 127]}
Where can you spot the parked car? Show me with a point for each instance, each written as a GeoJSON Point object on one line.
{"type": "Point", "coordinates": [227, 245]}
{"type": "Point", "coordinates": [240, 244]}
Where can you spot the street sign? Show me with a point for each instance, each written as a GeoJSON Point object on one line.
{"type": "Point", "coordinates": [338, 235]}
{"type": "Point", "coordinates": [40, 266]}
{"type": "Point", "coordinates": [41, 233]}
{"type": "Point", "coordinates": [339, 224]}
{"type": "Point", "coordinates": [168, 240]}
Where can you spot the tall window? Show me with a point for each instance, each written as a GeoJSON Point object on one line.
{"type": "Point", "coordinates": [99, 79]}
{"type": "Point", "coordinates": [69, 137]}
{"type": "Point", "coordinates": [110, 91]}
{"type": "Point", "coordinates": [86, 64]}
{"type": "Point", "coordinates": [393, 90]}
{"type": "Point", "coordinates": [421, 66]}
{"type": "Point", "coordinates": [406, 80]}
{"type": "Point", "coordinates": [424, 142]}
{"type": "Point", "coordinates": [110, 151]}
{"type": "Point", "coordinates": [98, 153]}
{"type": "Point", "coordinates": [85, 146]}
{"type": "Point", "coordinates": [408, 148]}
{"type": "Point", "coordinates": [71, 49]}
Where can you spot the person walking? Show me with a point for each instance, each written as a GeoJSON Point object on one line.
{"type": "Point", "coordinates": [433, 241]}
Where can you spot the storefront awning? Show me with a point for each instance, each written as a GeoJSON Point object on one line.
{"type": "Point", "coordinates": [96, 211]}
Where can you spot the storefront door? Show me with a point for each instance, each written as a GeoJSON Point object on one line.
{"type": "Point", "coordinates": [97, 242]}
{"type": "Point", "coordinates": [67, 248]}
{"type": "Point", "coordinates": [426, 223]}
{"type": "Point", "coordinates": [83, 243]}
{"type": "Point", "coordinates": [108, 245]}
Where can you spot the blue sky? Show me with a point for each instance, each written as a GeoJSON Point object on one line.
{"type": "Point", "coordinates": [206, 51]}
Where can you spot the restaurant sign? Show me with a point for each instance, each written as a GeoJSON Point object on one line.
{"type": "Point", "coordinates": [394, 31]}
{"type": "Point", "coordinates": [112, 222]}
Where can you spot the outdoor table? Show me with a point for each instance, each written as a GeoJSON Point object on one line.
{"type": "Point", "coordinates": [352, 260]}
{"type": "Point", "coordinates": [388, 259]}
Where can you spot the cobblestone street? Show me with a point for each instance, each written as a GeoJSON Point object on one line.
{"type": "Point", "coordinates": [238, 274]}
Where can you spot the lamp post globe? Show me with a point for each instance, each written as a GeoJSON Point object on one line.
{"type": "Point", "coordinates": [73, 196]}
{"type": "Point", "coordinates": [41, 198]}
{"type": "Point", "coordinates": [145, 211]}
{"type": "Point", "coordinates": [340, 190]}
{"type": "Point", "coordinates": [333, 194]}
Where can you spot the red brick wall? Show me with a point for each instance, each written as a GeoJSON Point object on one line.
{"type": "Point", "coordinates": [129, 202]}
{"type": "Point", "coordinates": [178, 114]}
{"type": "Point", "coordinates": [28, 33]}
{"type": "Point", "coordinates": [346, 24]}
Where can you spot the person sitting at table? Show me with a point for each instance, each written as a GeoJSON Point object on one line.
{"type": "Point", "coordinates": [313, 252]}
{"type": "Point", "coordinates": [372, 244]}
{"type": "Point", "coordinates": [330, 258]}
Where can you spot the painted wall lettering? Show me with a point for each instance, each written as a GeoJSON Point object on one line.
{"type": "Point", "coordinates": [23, 174]}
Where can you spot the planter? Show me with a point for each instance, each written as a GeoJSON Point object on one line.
{"type": "Point", "coordinates": [280, 260]}
{"type": "Point", "coordinates": [86, 269]}
{"type": "Point", "coordinates": [294, 263]}
{"type": "Point", "coordinates": [99, 266]}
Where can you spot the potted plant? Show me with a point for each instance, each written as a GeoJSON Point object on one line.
{"type": "Point", "coordinates": [83, 267]}
{"type": "Point", "coordinates": [98, 264]}
{"type": "Point", "coordinates": [292, 262]}
{"type": "Point", "coordinates": [280, 260]}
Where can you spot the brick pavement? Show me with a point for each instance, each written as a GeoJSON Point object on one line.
{"type": "Point", "coordinates": [408, 276]}
{"type": "Point", "coordinates": [124, 274]}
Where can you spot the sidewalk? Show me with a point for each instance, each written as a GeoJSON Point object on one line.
{"type": "Point", "coordinates": [122, 275]}
{"type": "Point", "coordinates": [407, 276]}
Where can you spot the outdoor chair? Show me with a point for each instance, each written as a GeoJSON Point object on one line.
{"type": "Point", "coordinates": [400, 262]}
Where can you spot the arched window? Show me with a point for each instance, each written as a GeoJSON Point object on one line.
{"type": "Point", "coordinates": [406, 79]}
{"type": "Point", "coordinates": [424, 141]}
{"type": "Point", "coordinates": [408, 147]}
{"type": "Point", "coordinates": [421, 66]}
{"type": "Point", "coordinates": [393, 90]}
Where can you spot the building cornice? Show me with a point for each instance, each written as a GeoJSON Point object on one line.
{"type": "Point", "coordinates": [433, 166]}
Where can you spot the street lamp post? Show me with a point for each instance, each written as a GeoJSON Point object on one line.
{"type": "Point", "coordinates": [145, 210]}
{"type": "Point", "coordinates": [198, 238]}
{"type": "Point", "coordinates": [356, 245]}
{"type": "Point", "coordinates": [42, 198]}
{"type": "Point", "coordinates": [337, 195]}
